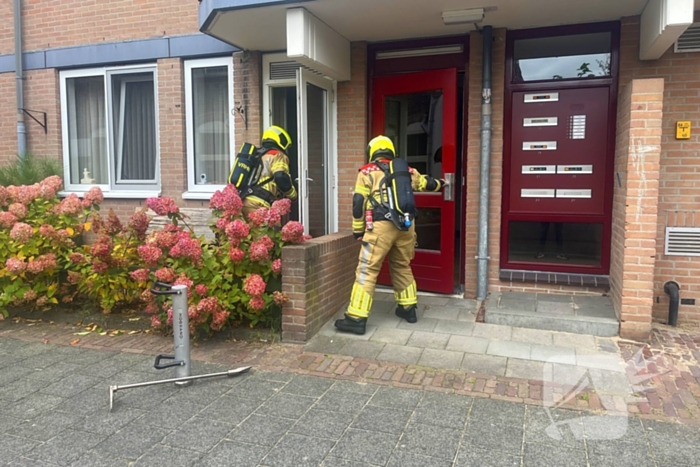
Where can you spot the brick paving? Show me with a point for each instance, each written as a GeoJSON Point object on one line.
{"type": "Point", "coordinates": [673, 394]}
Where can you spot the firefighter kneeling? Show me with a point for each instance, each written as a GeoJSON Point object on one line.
{"type": "Point", "coordinates": [383, 212]}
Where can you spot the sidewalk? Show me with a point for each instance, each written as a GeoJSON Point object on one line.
{"type": "Point", "coordinates": [304, 408]}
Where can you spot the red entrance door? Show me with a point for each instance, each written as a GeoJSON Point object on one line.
{"type": "Point", "coordinates": [418, 111]}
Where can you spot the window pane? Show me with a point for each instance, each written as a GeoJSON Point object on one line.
{"type": "Point", "coordinates": [562, 57]}
{"type": "Point", "coordinates": [317, 157]}
{"type": "Point", "coordinates": [555, 243]}
{"type": "Point", "coordinates": [210, 96]}
{"type": "Point", "coordinates": [133, 101]}
{"type": "Point", "coordinates": [284, 114]}
{"type": "Point", "coordinates": [87, 130]}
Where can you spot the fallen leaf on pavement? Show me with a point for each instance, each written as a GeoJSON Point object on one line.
{"type": "Point", "coordinates": [74, 341]}
{"type": "Point", "coordinates": [45, 340]}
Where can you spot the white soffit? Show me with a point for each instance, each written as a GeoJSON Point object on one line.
{"type": "Point", "coordinates": [314, 44]}
{"type": "Point", "coordinates": [662, 23]}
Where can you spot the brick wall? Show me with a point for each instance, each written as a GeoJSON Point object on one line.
{"type": "Point", "coordinates": [171, 128]}
{"type": "Point", "coordinates": [247, 95]}
{"type": "Point", "coordinates": [41, 93]}
{"type": "Point", "coordinates": [637, 157]}
{"type": "Point", "coordinates": [65, 23]}
{"type": "Point", "coordinates": [352, 132]}
{"type": "Point", "coordinates": [8, 117]}
{"type": "Point", "coordinates": [473, 158]}
{"type": "Point", "coordinates": [679, 179]}
{"type": "Point", "coordinates": [317, 276]}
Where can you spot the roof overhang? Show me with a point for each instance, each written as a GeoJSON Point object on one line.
{"type": "Point", "coordinates": [662, 23]}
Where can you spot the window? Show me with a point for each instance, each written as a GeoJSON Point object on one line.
{"type": "Point", "coordinates": [208, 101]}
{"type": "Point", "coordinates": [576, 56]}
{"type": "Point", "coordinates": [560, 243]}
{"type": "Point", "coordinates": [110, 129]}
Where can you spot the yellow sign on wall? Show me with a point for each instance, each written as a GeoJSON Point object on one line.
{"type": "Point", "coordinates": [683, 129]}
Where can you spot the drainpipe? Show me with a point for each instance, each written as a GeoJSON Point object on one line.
{"type": "Point", "coordinates": [674, 292]}
{"type": "Point", "coordinates": [483, 248]}
{"type": "Point", "coordinates": [21, 130]}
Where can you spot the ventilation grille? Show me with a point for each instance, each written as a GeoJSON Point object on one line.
{"type": "Point", "coordinates": [683, 241]}
{"type": "Point", "coordinates": [284, 70]}
{"type": "Point", "coordinates": [689, 40]}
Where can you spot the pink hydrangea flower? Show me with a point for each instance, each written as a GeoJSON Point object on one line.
{"type": "Point", "coordinates": [7, 219]}
{"type": "Point", "coordinates": [4, 196]}
{"type": "Point", "coordinates": [184, 280]}
{"type": "Point", "coordinates": [293, 232]}
{"type": "Point", "coordinates": [48, 261]}
{"type": "Point", "coordinates": [279, 297]}
{"type": "Point", "coordinates": [21, 232]}
{"type": "Point", "coordinates": [219, 319]}
{"type": "Point", "coordinates": [151, 308]}
{"type": "Point", "coordinates": [41, 301]}
{"type": "Point", "coordinates": [201, 289]}
{"type": "Point", "coordinates": [29, 295]}
{"type": "Point", "coordinates": [76, 258]}
{"type": "Point", "coordinates": [237, 229]}
{"type": "Point", "coordinates": [221, 224]}
{"type": "Point", "coordinates": [256, 303]}
{"type": "Point", "coordinates": [102, 248]}
{"type": "Point", "coordinates": [259, 252]}
{"type": "Point", "coordinates": [50, 186]}
{"type": "Point", "coordinates": [99, 266]}
{"type": "Point", "coordinates": [187, 248]}
{"type": "Point", "coordinates": [18, 209]}
{"type": "Point", "coordinates": [163, 206]}
{"type": "Point", "coordinates": [15, 265]}
{"type": "Point", "coordinates": [166, 275]}
{"type": "Point", "coordinates": [25, 194]}
{"type": "Point", "coordinates": [149, 254]}
{"type": "Point", "coordinates": [236, 255]}
{"type": "Point", "coordinates": [70, 205]}
{"type": "Point", "coordinates": [139, 223]}
{"type": "Point", "coordinates": [35, 267]}
{"type": "Point", "coordinates": [277, 266]}
{"type": "Point", "coordinates": [94, 195]}
{"type": "Point", "coordinates": [170, 316]}
{"type": "Point", "coordinates": [155, 321]}
{"type": "Point", "coordinates": [258, 217]}
{"type": "Point", "coordinates": [282, 206]}
{"type": "Point", "coordinates": [227, 201]}
{"type": "Point", "coordinates": [47, 231]}
{"type": "Point", "coordinates": [141, 275]}
{"type": "Point", "coordinates": [74, 277]}
{"type": "Point", "coordinates": [273, 218]}
{"type": "Point", "coordinates": [267, 241]}
{"type": "Point", "coordinates": [254, 285]}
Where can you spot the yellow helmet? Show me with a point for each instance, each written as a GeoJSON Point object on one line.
{"type": "Point", "coordinates": [277, 136]}
{"type": "Point", "coordinates": [380, 146]}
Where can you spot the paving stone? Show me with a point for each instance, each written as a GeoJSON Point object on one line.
{"type": "Point", "coordinates": [256, 389]}
{"type": "Point", "coordinates": [370, 329]}
{"type": "Point", "coordinates": [230, 409]}
{"type": "Point", "coordinates": [533, 336]}
{"type": "Point", "coordinates": [12, 447]}
{"type": "Point", "coordinates": [470, 457]}
{"type": "Point", "coordinates": [614, 454]}
{"type": "Point", "coordinates": [278, 376]}
{"type": "Point", "coordinates": [325, 344]}
{"type": "Point", "coordinates": [21, 388]}
{"type": "Point", "coordinates": [600, 360]}
{"type": "Point", "coordinates": [555, 309]}
{"type": "Point", "coordinates": [198, 434]}
{"type": "Point", "coordinates": [509, 349]}
{"type": "Point", "coordinates": [308, 386]}
{"type": "Point", "coordinates": [604, 344]}
{"type": "Point", "coordinates": [352, 386]}
{"type": "Point", "coordinates": [338, 462]}
{"type": "Point", "coordinates": [492, 331]}
{"type": "Point", "coordinates": [131, 442]}
{"type": "Point", "coordinates": [369, 447]}
{"type": "Point", "coordinates": [423, 324]}
{"type": "Point", "coordinates": [409, 459]}
{"type": "Point", "coordinates": [323, 424]}
{"type": "Point", "coordinates": [433, 301]}
{"type": "Point", "coordinates": [93, 459]}
{"type": "Point", "coordinates": [65, 448]}
{"type": "Point", "coordinates": [441, 416]}
{"type": "Point", "coordinates": [298, 451]}
{"type": "Point", "coordinates": [550, 426]}
{"type": "Point", "coordinates": [396, 398]}
{"type": "Point", "coordinates": [391, 336]}
{"type": "Point", "coordinates": [7, 423]}
{"type": "Point", "coordinates": [565, 375]}
{"type": "Point", "coordinates": [614, 428]}
{"type": "Point", "coordinates": [543, 455]}
{"type": "Point", "coordinates": [447, 359]}
{"type": "Point", "coordinates": [342, 401]}
{"type": "Point", "coordinates": [518, 305]}
{"type": "Point", "coordinates": [384, 320]}
{"type": "Point", "coordinates": [152, 396]}
{"type": "Point", "coordinates": [494, 437]}
{"type": "Point", "coordinates": [362, 349]}
{"type": "Point", "coordinates": [442, 312]}
{"type": "Point", "coordinates": [430, 441]}
{"type": "Point", "coordinates": [484, 364]}
{"type": "Point", "coordinates": [261, 430]}
{"type": "Point", "coordinates": [566, 339]}
{"type": "Point", "coordinates": [45, 426]}
{"type": "Point", "coordinates": [104, 422]}
{"type": "Point", "coordinates": [462, 303]}
{"type": "Point", "coordinates": [439, 399]}
{"type": "Point", "coordinates": [495, 412]}
{"type": "Point", "coordinates": [171, 416]}
{"type": "Point", "coordinates": [428, 340]}
{"type": "Point", "coordinates": [231, 453]}
{"type": "Point", "coordinates": [13, 373]}
{"type": "Point", "coordinates": [381, 419]}
{"type": "Point", "coordinates": [53, 371]}
{"type": "Point", "coordinates": [26, 462]}
{"type": "Point", "coordinates": [524, 369]}
{"type": "Point", "coordinates": [400, 354]}
{"type": "Point", "coordinates": [555, 298]}
{"type": "Point", "coordinates": [477, 345]}
{"type": "Point", "coordinates": [286, 405]}
{"type": "Point", "coordinates": [461, 328]}
{"type": "Point", "coordinates": [553, 354]}
{"type": "Point", "coordinates": [71, 385]}
{"type": "Point", "coordinates": [33, 405]}
{"type": "Point", "coordinates": [467, 315]}
{"type": "Point", "coordinates": [168, 456]}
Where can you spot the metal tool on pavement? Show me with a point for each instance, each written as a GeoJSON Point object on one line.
{"type": "Point", "coordinates": [181, 337]}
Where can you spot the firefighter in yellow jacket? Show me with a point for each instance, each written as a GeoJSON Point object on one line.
{"type": "Point", "coordinates": [380, 236]}
{"type": "Point", "coordinates": [275, 182]}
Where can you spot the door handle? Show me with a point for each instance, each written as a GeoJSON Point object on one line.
{"type": "Point", "coordinates": [448, 192]}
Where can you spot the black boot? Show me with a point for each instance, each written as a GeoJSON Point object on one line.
{"type": "Point", "coordinates": [409, 314]}
{"type": "Point", "coordinates": [350, 324]}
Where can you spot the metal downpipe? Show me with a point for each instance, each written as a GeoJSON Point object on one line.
{"type": "Point", "coordinates": [484, 170]}
{"type": "Point", "coordinates": [19, 76]}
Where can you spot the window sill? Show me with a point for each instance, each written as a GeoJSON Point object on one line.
{"type": "Point", "coordinates": [117, 194]}
{"type": "Point", "coordinates": [198, 195]}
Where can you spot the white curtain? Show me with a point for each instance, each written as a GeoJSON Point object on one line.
{"type": "Point", "coordinates": [210, 89]}
{"type": "Point", "coordinates": [87, 129]}
{"type": "Point", "coordinates": [136, 133]}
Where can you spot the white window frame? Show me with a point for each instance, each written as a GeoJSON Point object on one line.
{"type": "Point", "coordinates": [194, 191]}
{"type": "Point", "coordinates": [268, 85]}
{"type": "Point", "coordinates": [113, 189]}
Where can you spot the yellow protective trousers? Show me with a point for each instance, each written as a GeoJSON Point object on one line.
{"type": "Point", "coordinates": [384, 239]}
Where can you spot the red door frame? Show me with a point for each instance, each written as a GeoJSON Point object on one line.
{"type": "Point", "coordinates": [433, 271]}
{"type": "Point", "coordinates": [535, 86]}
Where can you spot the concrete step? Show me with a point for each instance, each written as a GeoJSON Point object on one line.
{"type": "Point", "coordinates": [565, 313]}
